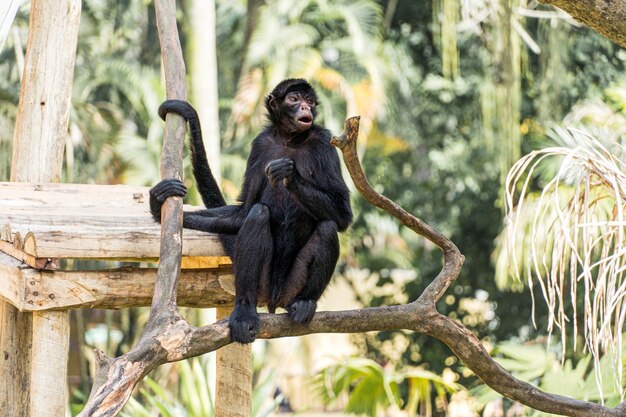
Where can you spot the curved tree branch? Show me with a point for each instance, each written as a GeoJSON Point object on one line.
{"type": "Point", "coordinates": [453, 260]}
{"type": "Point", "coordinates": [178, 340]}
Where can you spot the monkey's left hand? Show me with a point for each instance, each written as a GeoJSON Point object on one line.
{"type": "Point", "coordinates": [280, 170]}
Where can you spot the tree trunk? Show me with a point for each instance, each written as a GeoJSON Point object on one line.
{"type": "Point", "coordinates": [607, 17]}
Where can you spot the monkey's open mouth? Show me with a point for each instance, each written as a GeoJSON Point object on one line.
{"type": "Point", "coordinates": [305, 121]}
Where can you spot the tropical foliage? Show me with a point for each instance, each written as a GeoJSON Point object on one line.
{"type": "Point", "coordinates": [540, 365]}
{"type": "Point", "coordinates": [373, 390]}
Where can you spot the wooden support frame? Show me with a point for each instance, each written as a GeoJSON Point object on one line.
{"type": "Point", "coordinates": [43, 224]}
{"type": "Point", "coordinates": [31, 290]}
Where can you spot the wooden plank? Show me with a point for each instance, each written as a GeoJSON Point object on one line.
{"type": "Point", "coordinates": [50, 194]}
{"type": "Point", "coordinates": [101, 243]}
{"type": "Point", "coordinates": [87, 221]}
{"type": "Point", "coordinates": [116, 288]}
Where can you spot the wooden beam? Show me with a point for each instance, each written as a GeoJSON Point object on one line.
{"type": "Point", "coordinates": [81, 242]}
{"type": "Point", "coordinates": [74, 221]}
{"type": "Point", "coordinates": [33, 290]}
{"type": "Point", "coordinates": [9, 279]}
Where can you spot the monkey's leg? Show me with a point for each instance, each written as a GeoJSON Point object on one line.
{"type": "Point", "coordinates": [252, 259]}
{"type": "Point", "coordinates": [311, 273]}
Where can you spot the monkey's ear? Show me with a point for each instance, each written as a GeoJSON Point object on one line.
{"type": "Point", "coordinates": [271, 101]}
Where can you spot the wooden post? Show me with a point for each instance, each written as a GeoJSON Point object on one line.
{"type": "Point", "coordinates": [233, 391]}
{"type": "Point", "coordinates": [15, 348]}
{"type": "Point", "coordinates": [35, 346]}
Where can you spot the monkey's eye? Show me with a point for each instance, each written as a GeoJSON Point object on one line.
{"type": "Point", "coordinates": [310, 102]}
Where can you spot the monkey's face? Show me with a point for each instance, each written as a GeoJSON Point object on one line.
{"type": "Point", "coordinates": [300, 108]}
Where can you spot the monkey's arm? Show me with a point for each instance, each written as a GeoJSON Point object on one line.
{"type": "Point", "coordinates": [323, 204]}
{"type": "Point", "coordinates": [207, 221]}
{"type": "Point", "coordinates": [324, 196]}
{"type": "Point", "coordinates": [224, 219]}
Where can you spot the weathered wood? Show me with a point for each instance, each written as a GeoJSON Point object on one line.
{"type": "Point", "coordinates": [35, 193]}
{"type": "Point", "coordinates": [108, 243]}
{"type": "Point", "coordinates": [33, 290]}
{"type": "Point", "coordinates": [15, 348]}
{"type": "Point", "coordinates": [10, 279]}
{"type": "Point", "coordinates": [164, 300]}
{"type": "Point", "coordinates": [19, 254]}
{"type": "Point", "coordinates": [39, 365]}
{"type": "Point", "coordinates": [233, 385]}
{"type": "Point", "coordinates": [45, 222]}
{"type": "Point", "coordinates": [48, 373]}
{"type": "Point", "coordinates": [43, 110]}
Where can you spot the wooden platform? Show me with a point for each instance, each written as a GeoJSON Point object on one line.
{"type": "Point", "coordinates": [44, 227]}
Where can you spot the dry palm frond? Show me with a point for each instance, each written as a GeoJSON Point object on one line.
{"type": "Point", "coordinates": [572, 234]}
{"type": "Point", "coordinates": [8, 10]}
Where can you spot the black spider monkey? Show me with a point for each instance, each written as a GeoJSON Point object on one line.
{"type": "Point", "coordinates": [282, 235]}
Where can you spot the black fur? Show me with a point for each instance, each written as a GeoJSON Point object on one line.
{"type": "Point", "coordinates": [282, 235]}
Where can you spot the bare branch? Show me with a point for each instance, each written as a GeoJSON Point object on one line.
{"type": "Point", "coordinates": [165, 329]}
{"type": "Point", "coordinates": [468, 348]}
{"type": "Point", "coordinates": [164, 298]}
{"type": "Point", "coordinates": [453, 260]}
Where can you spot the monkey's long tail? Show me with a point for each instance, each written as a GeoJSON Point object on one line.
{"type": "Point", "coordinates": [209, 190]}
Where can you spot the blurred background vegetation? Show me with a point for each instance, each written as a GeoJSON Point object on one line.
{"type": "Point", "coordinates": [451, 94]}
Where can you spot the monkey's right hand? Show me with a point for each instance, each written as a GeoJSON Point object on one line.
{"type": "Point", "coordinates": [279, 170]}
{"type": "Point", "coordinates": [170, 187]}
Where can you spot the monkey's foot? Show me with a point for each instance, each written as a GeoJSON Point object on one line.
{"type": "Point", "coordinates": [244, 324]}
{"type": "Point", "coordinates": [301, 311]}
